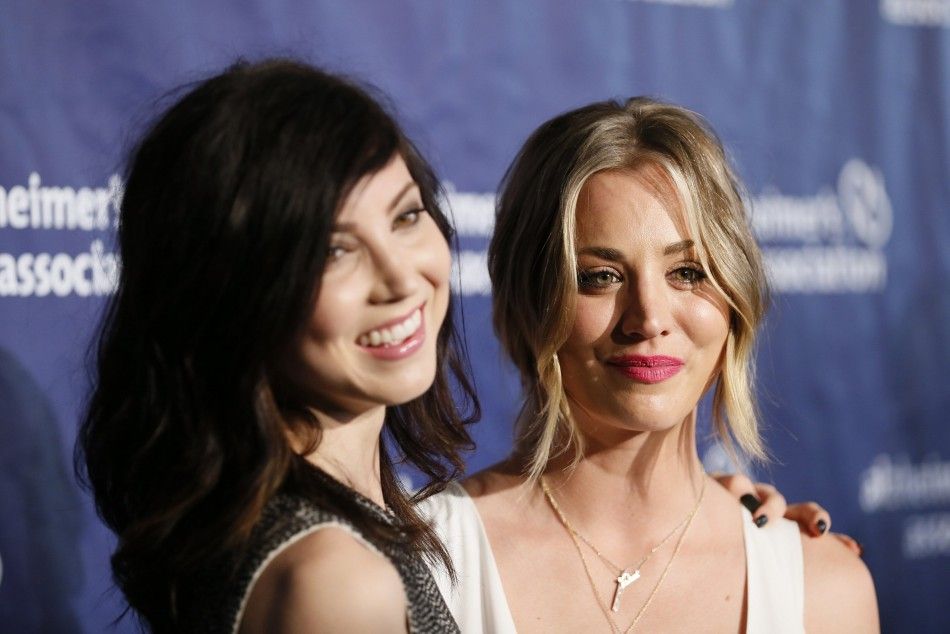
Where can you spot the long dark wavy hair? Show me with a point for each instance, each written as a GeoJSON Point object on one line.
{"type": "Point", "coordinates": [224, 230]}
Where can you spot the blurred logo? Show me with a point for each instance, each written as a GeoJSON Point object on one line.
{"type": "Point", "coordinates": [831, 242]}
{"type": "Point", "coordinates": [474, 217]}
{"type": "Point", "coordinates": [916, 12]}
{"type": "Point", "coordinates": [897, 484]}
{"type": "Point", "coordinates": [90, 270]}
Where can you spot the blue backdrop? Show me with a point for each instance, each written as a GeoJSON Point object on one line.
{"type": "Point", "coordinates": [837, 115]}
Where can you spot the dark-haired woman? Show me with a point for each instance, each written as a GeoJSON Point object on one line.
{"type": "Point", "coordinates": [284, 295]}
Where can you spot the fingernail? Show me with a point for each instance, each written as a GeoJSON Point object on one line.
{"type": "Point", "coordinates": [761, 520]}
{"type": "Point", "coordinates": [750, 502]}
{"type": "Point", "coordinates": [822, 526]}
{"type": "Point", "coordinates": [860, 548]}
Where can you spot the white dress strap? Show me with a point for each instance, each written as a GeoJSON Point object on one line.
{"type": "Point", "coordinates": [775, 577]}
{"type": "Point", "coordinates": [477, 600]}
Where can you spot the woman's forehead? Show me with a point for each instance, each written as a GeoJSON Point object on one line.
{"type": "Point", "coordinates": [625, 197]}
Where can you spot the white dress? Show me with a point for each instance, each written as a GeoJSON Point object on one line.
{"type": "Point", "coordinates": [775, 577]}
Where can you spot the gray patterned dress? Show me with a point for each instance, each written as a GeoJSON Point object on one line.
{"type": "Point", "coordinates": [288, 518]}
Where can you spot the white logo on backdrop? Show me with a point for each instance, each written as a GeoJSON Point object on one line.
{"type": "Point", "coordinates": [897, 484]}
{"type": "Point", "coordinates": [831, 242]}
{"type": "Point", "coordinates": [474, 217]}
{"type": "Point", "coordinates": [916, 12]}
{"type": "Point", "coordinates": [38, 207]}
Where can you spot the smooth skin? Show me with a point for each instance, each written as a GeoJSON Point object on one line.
{"type": "Point", "coordinates": [643, 292]}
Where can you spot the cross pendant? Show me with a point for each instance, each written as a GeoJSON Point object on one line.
{"type": "Point", "coordinates": [624, 580]}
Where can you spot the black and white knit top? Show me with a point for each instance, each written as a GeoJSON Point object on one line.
{"type": "Point", "coordinates": [288, 518]}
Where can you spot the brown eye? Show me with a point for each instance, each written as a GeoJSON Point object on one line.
{"type": "Point", "coordinates": [408, 218]}
{"type": "Point", "coordinates": [688, 275]}
{"type": "Point", "coordinates": [335, 252]}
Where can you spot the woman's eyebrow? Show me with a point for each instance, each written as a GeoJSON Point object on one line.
{"type": "Point", "coordinates": [676, 247]}
{"type": "Point", "coordinates": [343, 227]}
{"type": "Point", "coordinates": [402, 192]}
{"type": "Point", "coordinates": [604, 253]}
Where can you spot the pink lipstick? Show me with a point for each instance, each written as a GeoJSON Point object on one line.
{"type": "Point", "coordinates": [397, 338]}
{"type": "Point", "coordinates": [646, 369]}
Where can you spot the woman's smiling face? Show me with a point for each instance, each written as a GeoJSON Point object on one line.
{"type": "Point", "coordinates": [371, 338]}
{"type": "Point", "coordinates": [649, 330]}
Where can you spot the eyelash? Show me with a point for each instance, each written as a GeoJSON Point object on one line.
{"type": "Point", "coordinates": [415, 214]}
{"type": "Point", "coordinates": [588, 279]}
{"type": "Point", "coordinates": [694, 273]}
{"type": "Point", "coordinates": [335, 252]}
{"type": "Point", "coordinates": [407, 218]}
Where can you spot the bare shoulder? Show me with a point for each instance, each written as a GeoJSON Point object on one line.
{"type": "Point", "coordinates": [501, 486]}
{"type": "Point", "coordinates": [839, 591]}
{"type": "Point", "coordinates": [494, 480]}
{"type": "Point", "coordinates": [329, 581]}
{"type": "Point", "coordinates": [507, 505]}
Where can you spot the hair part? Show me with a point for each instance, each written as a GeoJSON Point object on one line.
{"type": "Point", "coordinates": [533, 265]}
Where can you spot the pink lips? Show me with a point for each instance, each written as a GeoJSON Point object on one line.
{"type": "Point", "coordinates": [404, 348]}
{"type": "Point", "coordinates": [646, 369]}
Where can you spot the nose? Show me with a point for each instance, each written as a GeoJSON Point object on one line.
{"type": "Point", "coordinates": [647, 311]}
{"type": "Point", "coordinates": [395, 278]}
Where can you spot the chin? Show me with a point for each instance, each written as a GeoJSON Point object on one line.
{"type": "Point", "coordinates": [646, 417]}
{"type": "Point", "coordinates": [406, 389]}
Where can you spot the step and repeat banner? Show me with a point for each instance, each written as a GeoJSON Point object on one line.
{"type": "Point", "coordinates": [836, 114]}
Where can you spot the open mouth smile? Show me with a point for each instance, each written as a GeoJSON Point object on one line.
{"type": "Point", "coordinates": [395, 339]}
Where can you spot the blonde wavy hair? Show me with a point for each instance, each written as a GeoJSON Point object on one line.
{"type": "Point", "coordinates": [533, 266]}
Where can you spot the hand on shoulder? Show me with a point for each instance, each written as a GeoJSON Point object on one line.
{"type": "Point", "coordinates": [329, 581]}
{"type": "Point", "coordinates": [839, 591]}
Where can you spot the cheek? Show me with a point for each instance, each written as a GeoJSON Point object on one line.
{"type": "Point", "coordinates": [433, 257]}
{"type": "Point", "coordinates": [433, 260]}
{"type": "Point", "coordinates": [707, 324]}
{"type": "Point", "coordinates": [336, 306]}
{"type": "Point", "coordinates": [593, 320]}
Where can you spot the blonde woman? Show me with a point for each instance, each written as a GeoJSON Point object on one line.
{"type": "Point", "coordinates": [627, 285]}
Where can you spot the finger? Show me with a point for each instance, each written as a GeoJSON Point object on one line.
{"type": "Point", "coordinates": [735, 483]}
{"type": "Point", "coordinates": [813, 519]}
{"type": "Point", "coordinates": [746, 492]}
{"type": "Point", "coordinates": [773, 503]}
{"type": "Point", "coordinates": [852, 544]}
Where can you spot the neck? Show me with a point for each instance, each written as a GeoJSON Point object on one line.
{"type": "Point", "coordinates": [349, 450]}
{"type": "Point", "coordinates": [644, 481]}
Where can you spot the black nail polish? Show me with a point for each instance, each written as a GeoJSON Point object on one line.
{"type": "Point", "coordinates": [750, 502]}
{"type": "Point", "coordinates": [822, 526]}
{"type": "Point", "coordinates": [761, 520]}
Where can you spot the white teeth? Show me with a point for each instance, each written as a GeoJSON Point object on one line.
{"type": "Point", "coordinates": [394, 334]}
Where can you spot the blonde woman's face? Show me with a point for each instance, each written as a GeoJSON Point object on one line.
{"type": "Point", "coordinates": [371, 338]}
{"type": "Point", "coordinates": [649, 330]}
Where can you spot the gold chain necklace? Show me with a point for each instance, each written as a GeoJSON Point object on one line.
{"type": "Point", "coordinates": [625, 578]}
